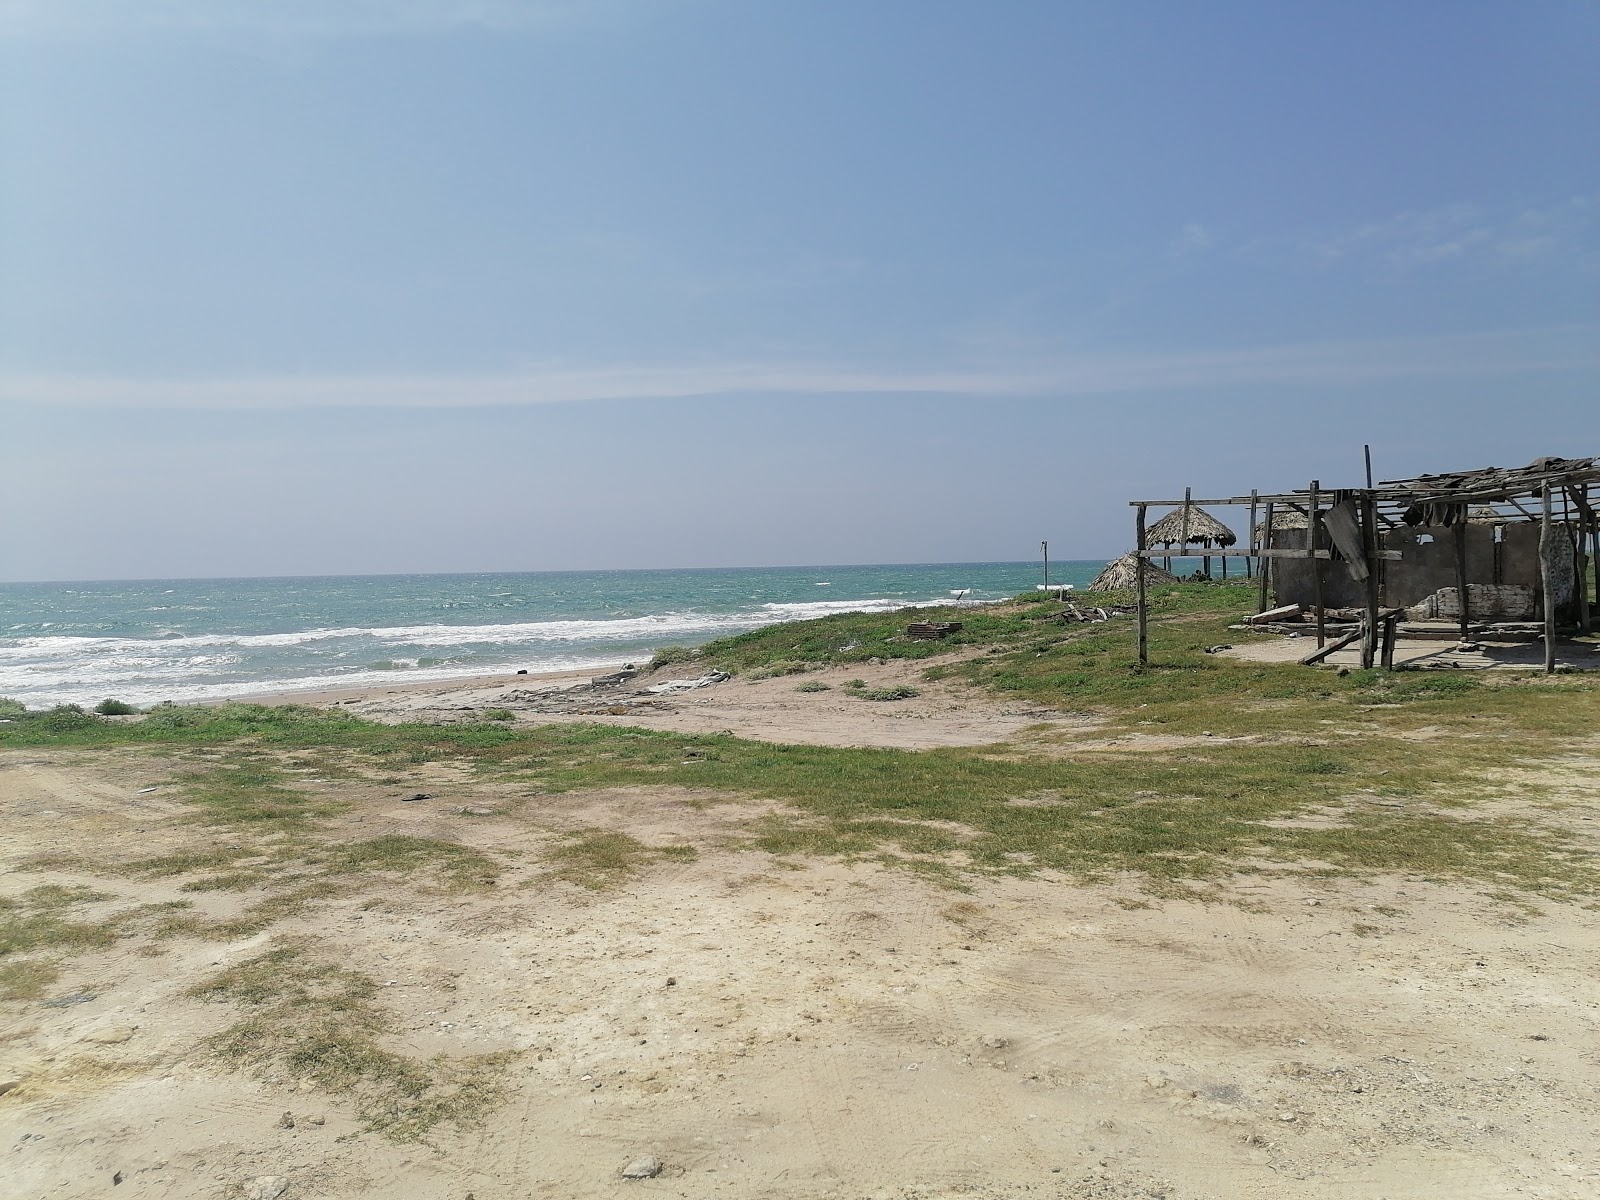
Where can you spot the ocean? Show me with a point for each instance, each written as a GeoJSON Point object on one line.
{"type": "Point", "coordinates": [206, 639]}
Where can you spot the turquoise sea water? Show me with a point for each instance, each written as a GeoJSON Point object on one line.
{"type": "Point", "coordinates": [197, 639]}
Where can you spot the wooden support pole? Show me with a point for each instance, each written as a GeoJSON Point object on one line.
{"type": "Point", "coordinates": [1252, 542]}
{"type": "Point", "coordinates": [1369, 550]}
{"type": "Point", "coordinates": [1581, 563]}
{"type": "Point", "coordinates": [1138, 577]}
{"type": "Point", "coordinates": [1263, 564]}
{"type": "Point", "coordinates": [1461, 570]}
{"type": "Point", "coordinates": [1547, 578]}
{"type": "Point", "coordinates": [1313, 543]}
{"type": "Point", "coordinates": [1391, 634]}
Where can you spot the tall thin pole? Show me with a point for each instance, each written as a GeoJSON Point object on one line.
{"type": "Point", "coordinates": [1547, 578]}
{"type": "Point", "coordinates": [1369, 550]}
{"type": "Point", "coordinates": [1367, 451]}
{"type": "Point", "coordinates": [1253, 544]}
{"type": "Point", "coordinates": [1313, 542]}
{"type": "Point", "coordinates": [1461, 571]}
{"type": "Point", "coordinates": [1264, 565]}
{"type": "Point", "coordinates": [1138, 576]}
{"type": "Point", "coordinates": [1045, 546]}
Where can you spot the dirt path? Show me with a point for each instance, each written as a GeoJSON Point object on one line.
{"type": "Point", "coordinates": [815, 1029]}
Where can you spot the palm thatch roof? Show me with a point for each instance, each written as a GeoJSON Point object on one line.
{"type": "Point", "coordinates": [1284, 520]}
{"type": "Point", "coordinates": [1193, 522]}
{"type": "Point", "coordinates": [1120, 575]}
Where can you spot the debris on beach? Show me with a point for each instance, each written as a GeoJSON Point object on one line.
{"type": "Point", "coordinates": [673, 686]}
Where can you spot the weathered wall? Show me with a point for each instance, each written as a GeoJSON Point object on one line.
{"type": "Point", "coordinates": [1428, 565]}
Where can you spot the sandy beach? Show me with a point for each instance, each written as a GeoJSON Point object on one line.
{"type": "Point", "coordinates": [764, 709]}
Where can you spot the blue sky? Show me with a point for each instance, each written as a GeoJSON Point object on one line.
{"type": "Point", "coordinates": [354, 286]}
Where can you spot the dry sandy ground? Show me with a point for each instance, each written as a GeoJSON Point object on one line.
{"type": "Point", "coordinates": [945, 714]}
{"type": "Point", "coordinates": [823, 1030]}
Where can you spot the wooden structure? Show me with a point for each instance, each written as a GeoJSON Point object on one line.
{"type": "Point", "coordinates": [1192, 525]}
{"type": "Point", "coordinates": [1368, 532]}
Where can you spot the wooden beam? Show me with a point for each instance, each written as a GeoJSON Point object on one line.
{"type": "Point", "coordinates": [1547, 577]}
{"type": "Point", "coordinates": [1313, 537]}
{"type": "Point", "coordinates": [1322, 652]}
{"type": "Point", "coordinates": [1163, 553]}
{"type": "Point", "coordinates": [1461, 570]}
{"type": "Point", "coordinates": [1261, 567]}
{"type": "Point", "coordinates": [1369, 527]}
{"type": "Point", "coordinates": [1138, 577]}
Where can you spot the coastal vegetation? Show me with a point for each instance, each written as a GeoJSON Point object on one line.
{"type": "Point", "coordinates": [1180, 780]}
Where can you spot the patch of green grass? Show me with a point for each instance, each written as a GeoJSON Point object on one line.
{"type": "Point", "coordinates": [318, 1021]}
{"type": "Point", "coordinates": [815, 685]}
{"type": "Point", "coordinates": [27, 980]}
{"type": "Point", "coordinates": [461, 867]}
{"type": "Point", "coordinates": [498, 714]}
{"type": "Point", "coordinates": [229, 881]}
{"type": "Point", "coordinates": [250, 793]}
{"type": "Point", "coordinates": [604, 858]}
{"type": "Point", "coordinates": [34, 921]}
{"type": "Point", "coordinates": [184, 862]}
{"type": "Point", "coordinates": [898, 691]}
{"type": "Point", "coordinates": [114, 708]}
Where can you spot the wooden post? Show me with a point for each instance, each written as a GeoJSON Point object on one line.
{"type": "Point", "coordinates": [1369, 549]}
{"type": "Point", "coordinates": [1581, 563]}
{"type": "Point", "coordinates": [1314, 543]}
{"type": "Point", "coordinates": [1263, 565]}
{"type": "Point", "coordinates": [1547, 578]}
{"type": "Point", "coordinates": [1461, 570]}
{"type": "Point", "coordinates": [1252, 542]}
{"type": "Point", "coordinates": [1138, 577]}
{"type": "Point", "coordinates": [1391, 633]}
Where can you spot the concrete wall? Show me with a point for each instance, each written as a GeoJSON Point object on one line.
{"type": "Point", "coordinates": [1428, 565]}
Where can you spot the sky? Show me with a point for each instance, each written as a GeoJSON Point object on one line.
{"type": "Point", "coordinates": [371, 286]}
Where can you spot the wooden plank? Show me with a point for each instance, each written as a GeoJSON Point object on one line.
{"type": "Point", "coordinates": [1461, 572]}
{"type": "Point", "coordinates": [1275, 614]}
{"type": "Point", "coordinates": [1369, 528]}
{"type": "Point", "coordinates": [1342, 526]}
{"type": "Point", "coordinates": [1138, 576]}
{"type": "Point", "coordinates": [1261, 567]}
{"type": "Point", "coordinates": [1546, 576]}
{"type": "Point", "coordinates": [1313, 544]}
{"type": "Point", "coordinates": [1322, 652]}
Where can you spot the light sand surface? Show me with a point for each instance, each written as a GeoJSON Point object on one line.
{"type": "Point", "coordinates": [824, 1030]}
{"type": "Point", "coordinates": [945, 714]}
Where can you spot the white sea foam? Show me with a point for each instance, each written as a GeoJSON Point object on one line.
{"type": "Point", "coordinates": [52, 669]}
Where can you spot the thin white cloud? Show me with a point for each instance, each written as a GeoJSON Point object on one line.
{"type": "Point", "coordinates": [1422, 238]}
{"type": "Point", "coordinates": [1193, 238]}
{"type": "Point", "coordinates": [290, 18]}
{"type": "Point", "coordinates": [1307, 365]}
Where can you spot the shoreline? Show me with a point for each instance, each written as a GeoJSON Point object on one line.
{"type": "Point", "coordinates": [324, 697]}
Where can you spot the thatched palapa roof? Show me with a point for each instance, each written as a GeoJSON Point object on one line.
{"type": "Point", "coordinates": [1119, 575]}
{"type": "Point", "coordinates": [1284, 520]}
{"type": "Point", "coordinates": [1193, 522]}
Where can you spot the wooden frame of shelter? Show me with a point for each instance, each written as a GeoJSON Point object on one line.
{"type": "Point", "coordinates": [1349, 523]}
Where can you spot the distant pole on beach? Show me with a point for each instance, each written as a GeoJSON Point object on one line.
{"type": "Point", "coordinates": [1045, 548]}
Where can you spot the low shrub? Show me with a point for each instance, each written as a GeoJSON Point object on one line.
{"type": "Point", "coordinates": [114, 708]}
{"type": "Point", "coordinates": [815, 685]}
{"type": "Point", "coordinates": [498, 714]}
{"type": "Point", "coordinates": [668, 655]}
